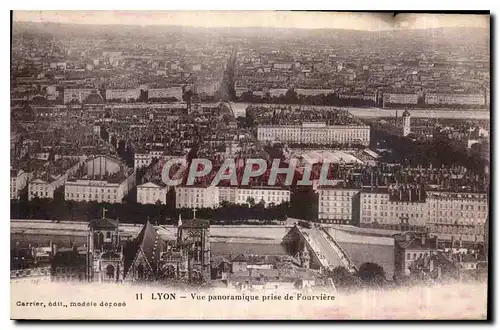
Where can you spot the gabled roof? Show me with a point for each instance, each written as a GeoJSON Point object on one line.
{"type": "Point", "coordinates": [103, 223]}
{"type": "Point", "coordinates": [149, 242]}
{"type": "Point", "coordinates": [148, 185]}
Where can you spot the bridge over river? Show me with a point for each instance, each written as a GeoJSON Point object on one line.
{"type": "Point", "coordinates": [325, 252]}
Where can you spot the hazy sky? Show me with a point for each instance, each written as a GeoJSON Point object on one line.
{"type": "Point", "coordinates": [283, 19]}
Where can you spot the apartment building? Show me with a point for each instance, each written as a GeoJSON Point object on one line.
{"type": "Point", "coordinates": [196, 196]}
{"type": "Point", "coordinates": [377, 208]}
{"type": "Point", "coordinates": [336, 205]}
{"type": "Point", "coordinates": [151, 193]}
{"type": "Point", "coordinates": [450, 215]}
{"type": "Point", "coordinates": [267, 195]}
{"type": "Point", "coordinates": [461, 215]}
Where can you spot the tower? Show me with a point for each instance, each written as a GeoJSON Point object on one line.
{"type": "Point", "coordinates": [193, 235]}
{"type": "Point", "coordinates": [406, 123]}
{"type": "Point", "coordinates": [104, 252]}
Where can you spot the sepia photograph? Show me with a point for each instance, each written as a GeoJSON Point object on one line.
{"type": "Point", "coordinates": [249, 165]}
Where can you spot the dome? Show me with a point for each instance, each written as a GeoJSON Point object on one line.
{"type": "Point", "coordinates": [94, 98]}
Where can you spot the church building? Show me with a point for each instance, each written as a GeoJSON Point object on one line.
{"type": "Point", "coordinates": [104, 255]}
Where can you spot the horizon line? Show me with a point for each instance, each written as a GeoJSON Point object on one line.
{"type": "Point", "coordinates": [304, 20]}
{"type": "Point", "coordinates": [255, 27]}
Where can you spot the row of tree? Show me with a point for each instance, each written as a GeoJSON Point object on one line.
{"type": "Point", "coordinates": [228, 213]}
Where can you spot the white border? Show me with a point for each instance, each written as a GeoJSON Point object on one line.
{"type": "Point", "coordinates": [186, 5]}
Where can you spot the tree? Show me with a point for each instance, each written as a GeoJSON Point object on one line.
{"type": "Point", "coordinates": [251, 201]}
{"type": "Point", "coordinates": [343, 279]}
{"type": "Point", "coordinates": [372, 273]}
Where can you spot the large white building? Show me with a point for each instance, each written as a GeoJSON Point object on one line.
{"type": "Point", "coordinates": [122, 94]}
{"type": "Point", "coordinates": [105, 179]}
{"type": "Point", "coordinates": [335, 205]}
{"type": "Point", "coordinates": [267, 195]}
{"type": "Point", "coordinates": [151, 193]}
{"type": "Point", "coordinates": [98, 190]}
{"type": "Point", "coordinates": [315, 133]}
{"type": "Point", "coordinates": [196, 196]}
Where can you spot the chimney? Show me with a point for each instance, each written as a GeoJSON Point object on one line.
{"type": "Point", "coordinates": [54, 249]}
{"type": "Point", "coordinates": [423, 239]}
{"type": "Point", "coordinates": [409, 192]}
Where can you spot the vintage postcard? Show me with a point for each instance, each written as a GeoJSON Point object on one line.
{"type": "Point", "coordinates": [249, 165]}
